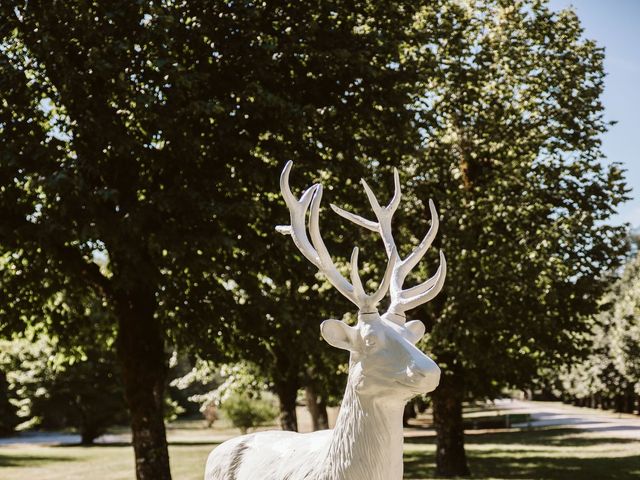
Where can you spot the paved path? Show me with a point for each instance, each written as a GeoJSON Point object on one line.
{"type": "Point", "coordinates": [28, 438]}
{"type": "Point", "coordinates": [203, 436]}
{"type": "Point", "coordinates": [543, 414]}
{"type": "Point", "coordinates": [54, 438]}
{"type": "Point", "coordinates": [600, 422]}
{"type": "Point", "coordinates": [193, 433]}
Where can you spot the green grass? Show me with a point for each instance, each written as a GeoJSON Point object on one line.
{"type": "Point", "coordinates": [98, 462]}
{"type": "Point", "coordinates": [550, 454]}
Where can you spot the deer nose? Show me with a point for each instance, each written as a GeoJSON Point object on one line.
{"type": "Point", "coordinates": [425, 372]}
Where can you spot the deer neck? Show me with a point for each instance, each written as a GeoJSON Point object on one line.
{"type": "Point", "coordinates": [366, 443]}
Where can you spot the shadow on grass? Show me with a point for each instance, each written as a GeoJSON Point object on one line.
{"type": "Point", "coordinates": [194, 444]}
{"type": "Point", "coordinates": [186, 443]}
{"type": "Point", "coordinates": [565, 437]}
{"type": "Point", "coordinates": [92, 445]}
{"type": "Point", "coordinates": [551, 436]}
{"type": "Point", "coordinates": [550, 454]}
{"type": "Point", "coordinates": [21, 460]}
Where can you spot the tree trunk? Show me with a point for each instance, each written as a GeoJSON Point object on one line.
{"type": "Point", "coordinates": [143, 364]}
{"type": "Point", "coordinates": [420, 404]}
{"type": "Point", "coordinates": [451, 460]}
{"type": "Point", "coordinates": [317, 409]}
{"type": "Point", "coordinates": [8, 417]}
{"type": "Point", "coordinates": [89, 430]}
{"type": "Point", "coordinates": [617, 404]}
{"type": "Point", "coordinates": [629, 401]}
{"type": "Point", "coordinates": [408, 413]}
{"type": "Point", "coordinates": [87, 436]}
{"type": "Point", "coordinates": [287, 392]}
{"type": "Point", "coordinates": [323, 418]}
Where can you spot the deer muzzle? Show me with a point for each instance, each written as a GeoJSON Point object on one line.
{"type": "Point", "coordinates": [423, 375]}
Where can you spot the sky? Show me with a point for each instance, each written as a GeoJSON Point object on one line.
{"type": "Point", "coordinates": [615, 25]}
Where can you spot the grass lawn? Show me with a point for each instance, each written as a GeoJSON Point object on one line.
{"type": "Point", "coordinates": [89, 463]}
{"type": "Point", "coordinates": [550, 454]}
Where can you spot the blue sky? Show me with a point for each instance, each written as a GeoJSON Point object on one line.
{"type": "Point", "coordinates": [615, 25]}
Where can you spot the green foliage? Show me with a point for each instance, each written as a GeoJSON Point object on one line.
{"type": "Point", "coordinates": [56, 389]}
{"type": "Point", "coordinates": [612, 368]}
{"type": "Point", "coordinates": [152, 137]}
{"type": "Point", "coordinates": [238, 380]}
{"type": "Point", "coordinates": [188, 378]}
{"type": "Point", "coordinates": [245, 412]}
{"type": "Point", "coordinates": [29, 363]}
{"type": "Point", "coordinates": [512, 119]}
{"type": "Point", "coordinates": [149, 137]}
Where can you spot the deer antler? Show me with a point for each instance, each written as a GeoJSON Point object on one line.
{"type": "Point", "coordinates": [401, 300]}
{"type": "Point", "coordinates": [316, 251]}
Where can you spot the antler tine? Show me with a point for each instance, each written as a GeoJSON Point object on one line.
{"type": "Point", "coordinates": [412, 260]}
{"type": "Point", "coordinates": [326, 264]}
{"type": "Point", "coordinates": [355, 276]}
{"type": "Point", "coordinates": [386, 280]}
{"type": "Point", "coordinates": [383, 214]}
{"type": "Point", "coordinates": [357, 219]}
{"type": "Point", "coordinates": [426, 291]}
{"type": "Point", "coordinates": [423, 287]}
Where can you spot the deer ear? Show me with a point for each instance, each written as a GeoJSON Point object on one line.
{"type": "Point", "coordinates": [339, 334]}
{"type": "Point", "coordinates": [416, 330]}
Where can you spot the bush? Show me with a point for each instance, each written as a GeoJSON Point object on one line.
{"type": "Point", "coordinates": [55, 388]}
{"type": "Point", "coordinates": [238, 380]}
{"type": "Point", "coordinates": [245, 412]}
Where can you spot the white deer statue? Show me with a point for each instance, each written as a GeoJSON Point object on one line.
{"type": "Point", "coordinates": [385, 367]}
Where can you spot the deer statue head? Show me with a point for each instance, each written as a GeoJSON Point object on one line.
{"type": "Point", "coordinates": [385, 370]}
{"type": "Point", "coordinates": [384, 359]}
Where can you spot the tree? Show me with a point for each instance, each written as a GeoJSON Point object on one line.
{"type": "Point", "coordinates": [56, 388]}
{"type": "Point", "coordinates": [512, 120]}
{"type": "Point", "coordinates": [149, 137]}
{"type": "Point", "coordinates": [628, 319]}
{"type": "Point", "coordinates": [609, 376]}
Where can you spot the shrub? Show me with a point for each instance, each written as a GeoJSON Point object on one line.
{"type": "Point", "coordinates": [245, 412]}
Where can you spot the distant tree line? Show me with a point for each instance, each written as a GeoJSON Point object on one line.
{"type": "Point", "coordinates": [608, 376]}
